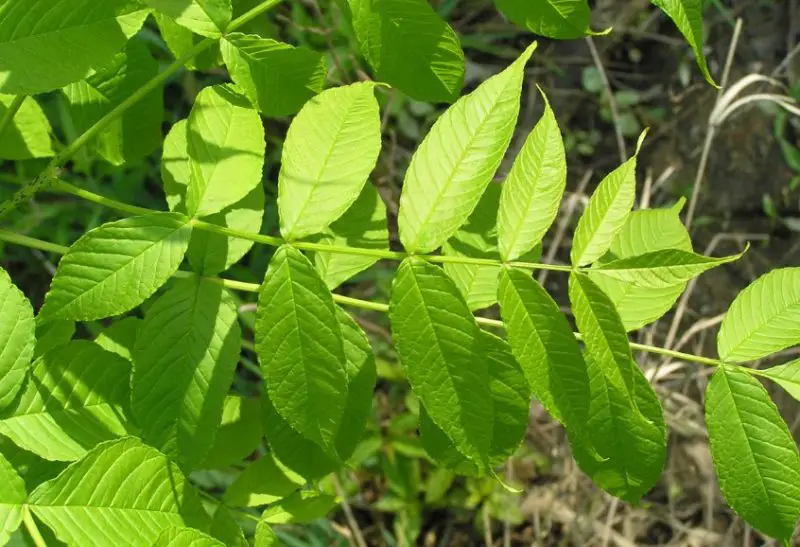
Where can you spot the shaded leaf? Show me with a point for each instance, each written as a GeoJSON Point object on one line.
{"type": "Point", "coordinates": [185, 537]}
{"type": "Point", "coordinates": [561, 19]}
{"type": "Point", "coordinates": [263, 481]}
{"type": "Point", "coordinates": [12, 497]}
{"type": "Point", "coordinates": [239, 434]}
{"type": "Point", "coordinates": [17, 338]}
{"type": "Point", "coordinates": [300, 508]}
{"type": "Point", "coordinates": [120, 337]}
{"type": "Point", "coordinates": [204, 17]}
{"type": "Point", "coordinates": [28, 134]}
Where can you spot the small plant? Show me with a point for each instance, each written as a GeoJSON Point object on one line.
{"type": "Point", "coordinates": [99, 436]}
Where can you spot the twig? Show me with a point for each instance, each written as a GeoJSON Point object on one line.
{"type": "Point", "coordinates": [348, 512]}
{"type": "Point", "coordinates": [612, 101]}
{"type": "Point", "coordinates": [487, 526]}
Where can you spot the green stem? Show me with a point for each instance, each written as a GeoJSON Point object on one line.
{"type": "Point", "coordinates": [8, 117]}
{"type": "Point", "coordinates": [50, 174]}
{"type": "Point", "coordinates": [33, 530]}
{"type": "Point", "coordinates": [33, 243]}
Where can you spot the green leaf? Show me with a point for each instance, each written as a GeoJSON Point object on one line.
{"type": "Point", "coordinates": [787, 376]}
{"type": "Point", "coordinates": [12, 497]}
{"type": "Point", "coordinates": [755, 455]}
{"type": "Point", "coordinates": [45, 46]}
{"type": "Point", "coordinates": [120, 337]}
{"type": "Point", "coordinates": [603, 333]}
{"type": "Point", "coordinates": [117, 266]}
{"type": "Point", "coordinates": [265, 537]}
{"type": "Point", "coordinates": [17, 338]}
{"type": "Point", "coordinates": [533, 189]}
{"type": "Point", "coordinates": [621, 449]}
{"type": "Point", "coordinates": [544, 345]}
{"type": "Point", "coordinates": [561, 19]}
{"type": "Point", "coordinates": [51, 335]}
{"type": "Point", "coordinates": [662, 269]}
{"type": "Point", "coordinates": [457, 160]}
{"type": "Point", "coordinates": [226, 529]}
{"type": "Point", "coordinates": [185, 537]}
{"type": "Point", "coordinates": [688, 17]}
{"type": "Point", "coordinates": [276, 77]}
{"type": "Point", "coordinates": [225, 144]}
{"type": "Point", "coordinates": [33, 469]}
{"type": "Point", "coordinates": [210, 253]}
{"type": "Point", "coordinates": [510, 413]}
{"type": "Point", "coordinates": [239, 434]}
{"type": "Point", "coordinates": [410, 47]}
{"type": "Point", "coordinates": [204, 17]}
{"type": "Point", "coordinates": [137, 132]}
{"type": "Point", "coordinates": [645, 231]}
{"type": "Point", "coordinates": [77, 397]}
{"type": "Point", "coordinates": [300, 508]}
{"type": "Point", "coordinates": [606, 213]}
{"type": "Point", "coordinates": [764, 318]}
{"type": "Point", "coordinates": [181, 41]}
{"type": "Point", "coordinates": [362, 226]}
{"type": "Point", "coordinates": [331, 148]}
{"type": "Point", "coordinates": [436, 338]}
{"type": "Point", "coordinates": [302, 455]}
{"type": "Point", "coordinates": [28, 134]}
{"type": "Point", "coordinates": [120, 490]}
{"type": "Point", "coordinates": [301, 350]}
{"type": "Point", "coordinates": [175, 173]}
{"type": "Point", "coordinates": [263, 481]}
{"type": "Point", "coordinates": [184, 360]}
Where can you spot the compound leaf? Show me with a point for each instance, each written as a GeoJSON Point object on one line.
{"type": "Point", "coordinates": [12, 497]}
{"type": "Point", "coordinates": [560, 19]}
{"type": "Point", "coordinates": [185, 355]}
{"type": "Point", "coordinates": [28, 134]}
{"type": "Point", "coordinates": [117, 266]}
{"type": "Point", "coordinates": [301, 349]}
{"type": "Point", "coordinates": [120, 490]}
{"type": "Point", "coordinates": [77, 397]}
{"type": "Point", "coordinates": [533, 189]}
{"type": "Point", "coordinates": [457, 160]}
{"type": "Point", "coordinates": [410, 47]}
{"type": "Point", "coordinates": [17, 338]}
{"type": "Point", "coordinates": [276, 77]}
{"type": "Point", "coordinates": [437, 341]}
{"type": "Point", "coordinates": [204, 17]}
{"type": "Point", "coordinates": [331, 147]}
{"type": "Point", "coordinates": [225, 144]}
{"type": "Point", "coordinates": [185, 537]}
{"type": "Point", "coordinates": [688, 17]}
{"type": "Point", "coordinates": [764, 318]}
{"type": "Point", "coordinates": [755, 455]}
{"type": "Point", "coordinates": [45, 46]}
{"type": "Point", "coordinates": [787, 376]}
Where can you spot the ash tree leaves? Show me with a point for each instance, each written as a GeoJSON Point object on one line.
{"type": "Point", "coordinates": [787, 376]}
{"type": "Point", "coordinates": [117, 266]}
{"type": "Point", "coordinates": [410, 47]}
{"type": "Point", "coordinates": [17, 338]}
{"type": "Point", "coordinates": [184, 358]}
{"type": "Point", "coordinates": [85, 35]}
{"type": "Point", "coordinates": [204, 17]}
{"type": "Point", "coordinates": [28, 135]}
{"type": "Point", "coordinates": [755, 455]}
{"type": "Point", "coordinates": [561, 19]}
{"type": "Point", "coordinates": [688, 17]}
{"type": "Point", "coordinates": [331, 148]}
{"type": "Point", "coordinates": [276, 77]}
{"type": "Point", "coordinates": [457, 160]}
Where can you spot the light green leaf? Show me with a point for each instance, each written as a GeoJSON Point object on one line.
{"type": "Point", "coordinates": [623, 450]}
{"type": "Point", "coordinates": [410, 47]}
{"type": "Point", "coordinates": [755, 455]}
{"type": "Point", "coordinates": [787, 376]}
{"type": "Point", "coordinates": [210, 253]}
{"type": "Point", "coordinates": [117, 266]}
{"type": "Point", "coordinates": [137, 132]}
{"type": "Point", "coordinates": [363, 226]}
{"type": "Point", "coordinates": [544, 345]}
{"type": "Point", "coordinates": [225, 144]}
{"type": "Point", "coordinates": [533, 189]}
{"type": "Point", "coordinates": [662, 269]}
{"type": "Point", "coordinates": [77, 398]}
{"type": "Point", "coordinates": [226, 529]}
{"type": "Point", "coordinates": [45, 46]}
{"type": "Point", "coordinates": [33, 469]}
{"type": "Point", "coordinates": [764, 318]}
{"type": "Point", "coordinates": [330, 150]}
{"type": "Point", "coordinates": [510, 414]}
{"type": "Point", "coordinates": [265, 537]}
{"type": "Point", "coordinates": [239, 434]}
{"type": "Point", "coordinates": [263, 481]}
{"type": "Point", "coordinates": [300, 454]}
{"type": "Point", "coordinates": [28, 134]}
{"type": "Point", "coordinates": [645, 231]}
{"type": "Point", "coordinates": [120, 490]}
{"type": "Point", "coordinates": [560, 19]}
{"type": "Point", "coordinates": [17, 338]}
{"type": "Point", "coordinates": [120, 337]}
{"type": "Point", "coordinates": [301, 350]}
{"type": "Point", "coordinates": [12, 497]}
{"type": "Point", "coordinates": [180, 41]}
{"type": "Point", "coordinates": [185, 355]}
{"type": "Point", "coordinates": [204, 17]}
{"type": "Point", "coordinates": [688, 17]}
{"type": "Point", "coordinates": [603, 333]}
{"type": "Point", "coordinates": [300, 508]}
{"type": "Point", "coordinates": [175, 173]}
{"type": "Point", "coordinates": [276, 77]}
{"type": "Point", "coordinates": [457, 160]}
{"type": "Point", "coordinates": [606, 213]}
{"type": "Point", "coordinates": [437, 339]}
{"type": "Point", "coordinates": [185, 537]}
{"type": "Point", "coordinates": [51, 335]}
